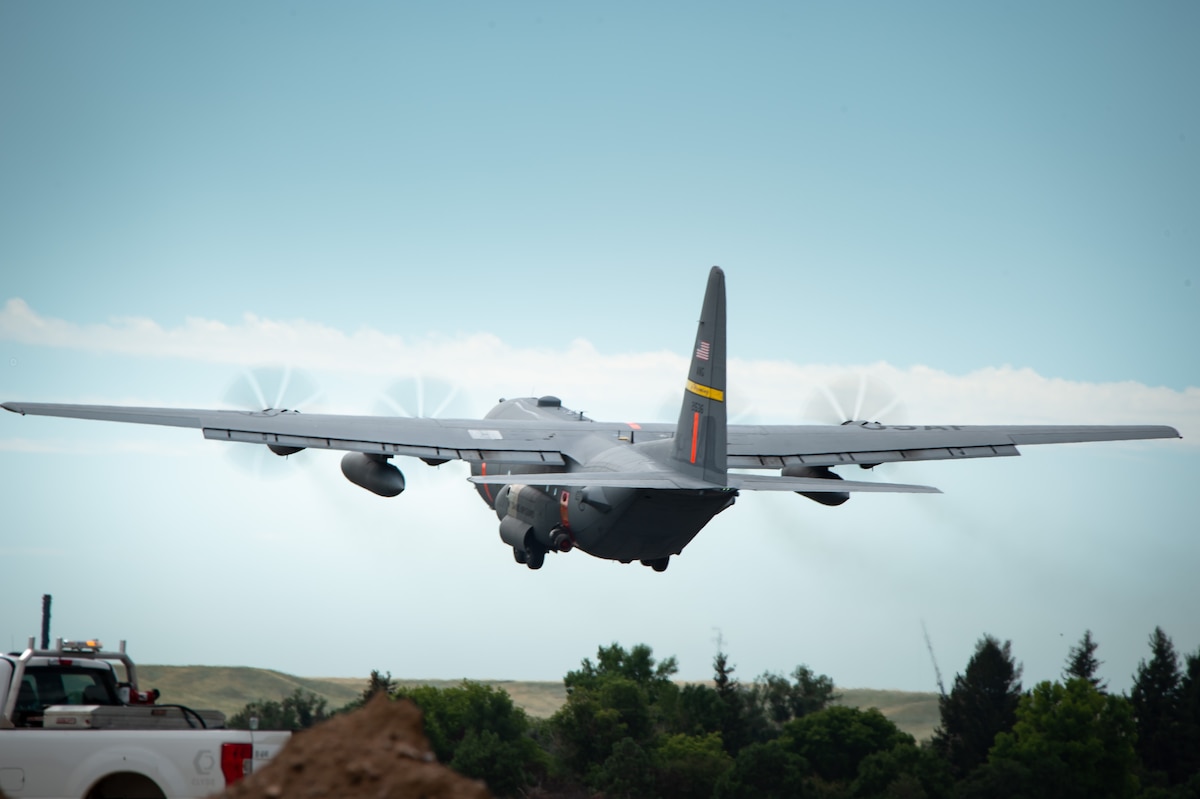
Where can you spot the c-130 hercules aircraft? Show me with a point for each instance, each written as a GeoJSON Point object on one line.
{"type": "Point", "coordinates": [558, 480]}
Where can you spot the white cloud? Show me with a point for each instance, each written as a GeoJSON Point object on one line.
{"type": "Point", "coordinates": [642, 385]}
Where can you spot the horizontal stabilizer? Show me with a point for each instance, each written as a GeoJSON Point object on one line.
{"type": "Point", "coordinates": [663, 479]}
{"type": "Point", "coordinates": [762, 482]}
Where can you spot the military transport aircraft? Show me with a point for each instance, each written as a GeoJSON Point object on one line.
{"type": "Point", "coordinates": [558, 480]}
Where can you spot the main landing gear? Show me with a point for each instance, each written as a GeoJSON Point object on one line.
{"type": "Point", "coordinates": [658, 564]}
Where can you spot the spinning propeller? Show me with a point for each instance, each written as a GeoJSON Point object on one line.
{"type": "Point", "coordinates": [422, 397]}
{"type": "Point", "coordinates": [859, 399]}
{"type": "Point", "coordinates": [852, 399]}
{"type": "Point", "coordinates": [265, 389]}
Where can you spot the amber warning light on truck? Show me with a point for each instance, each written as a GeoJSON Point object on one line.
{"type": "Point", "coordinates": [90, 645]}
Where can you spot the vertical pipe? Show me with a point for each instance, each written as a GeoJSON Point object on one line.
{"type": "Point", "coordinates": [45, 621]}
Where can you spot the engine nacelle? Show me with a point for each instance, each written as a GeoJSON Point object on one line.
{"type": "Point", "coordinates": [373, 472]}
{"type": "Point", "coordinates": [831, 498]}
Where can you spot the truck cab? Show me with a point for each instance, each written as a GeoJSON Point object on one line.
{"type": "Point", "coordinates": [78, 683]}
{"type": "Point", "coordinates": [58, 681]}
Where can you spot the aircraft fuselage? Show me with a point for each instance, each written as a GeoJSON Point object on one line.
{"type": "Point", "coordinates": [616, 523]}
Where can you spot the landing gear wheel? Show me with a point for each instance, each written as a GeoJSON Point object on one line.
{"type": "Point", "coordinates": [658, 564]}
{"type": "Point", "coordinates": [519, 555]}
{"type": "Point", "coordinates": [534, 558]}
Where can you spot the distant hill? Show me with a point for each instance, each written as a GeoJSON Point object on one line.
{"type": "Point", "coordinates": [230, 688]}
{"type": "Point", "coordinates": [915, 712]}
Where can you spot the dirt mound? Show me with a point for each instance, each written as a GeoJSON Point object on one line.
{"type": "Point", "coordinates": [379, 752]}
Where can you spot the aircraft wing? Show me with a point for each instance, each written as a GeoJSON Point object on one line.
{"type": "Point", "coordinates": [775, 446]}
{"type": "Point", "coordinates": [541, 442]}
{"type": "Point", "coordinates": [492, 440]}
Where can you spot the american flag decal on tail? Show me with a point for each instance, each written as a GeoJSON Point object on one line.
{"type": "Point", "coordinates": [702, 351]}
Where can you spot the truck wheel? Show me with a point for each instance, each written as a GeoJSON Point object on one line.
{"type": "Point", "coordinates": [125, 785]}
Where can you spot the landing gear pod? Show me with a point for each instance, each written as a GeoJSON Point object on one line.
{"type": "Point", "coordinates": [529, 524]}
{"type": "Point", "coordinates": [373, 473]}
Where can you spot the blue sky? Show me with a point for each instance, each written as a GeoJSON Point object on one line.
{"type": "Point", "coordinates": [991, 209]}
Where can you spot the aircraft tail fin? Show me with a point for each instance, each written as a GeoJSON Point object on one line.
{"type": "Point", "coordinates": [700, 436]}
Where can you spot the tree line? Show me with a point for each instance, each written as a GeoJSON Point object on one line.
{"type": "Point", "coordinates": [629, 731]}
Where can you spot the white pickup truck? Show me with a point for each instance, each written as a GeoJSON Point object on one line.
{"type": "Point", "coordinates": [73, 727]}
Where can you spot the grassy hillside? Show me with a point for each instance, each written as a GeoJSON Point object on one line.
{"type": "Point", "coordinates": [914, 712]}
{"type": "Point", "coordinates": [230, 688]}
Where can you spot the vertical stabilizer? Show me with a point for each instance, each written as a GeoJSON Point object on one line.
{"type": "Point", "coordinates": [700, 440]}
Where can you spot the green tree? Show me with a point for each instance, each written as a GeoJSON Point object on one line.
{"type": "Point", "coordinates": [1082, 663]}
{"type": "Point", "coordinates": [982, 703]}
{"type": "Point", "coordinates": [764, 771]}
{"type": "Point", "coordinates": [698, 710]}
{"type": "Point", "coordinates": [1156, 707]}
{"type": "Point", "coordinates": [377, 683]}
{"type": "Point", "coordinates": [904, 770]}
{"type": "Point", "coordinates": [628, 772]}
{"type": "Point", "coordinates": [297, 711]}
{"type": "Point", "coordinates": [724, 682]}
{"type": "Point", "coordinates": [772, 692]}
{"type": "Point", "coordinates": [478, 731]}
{"type": "Point", "coordinates": [1189, 711]}
{"type": "Point", "coordinates": [782, 700]}
{"type": "Point", "coordinates": [689, 766]}
{"type": "Point", "coordinates": [625, 694]}
{"type": "Point", "coordinates": [1073, 741]}
{"type": "Point", "coordinates": [585, 731]}
{"type": "Point", "coordinates": [637, 665]}
{"type": "Point", "coordinates": [811, 692]}
{"type": "Point", "coordinates": [736, 705]}
{"type": "Point", "coordinates": [998, 779]}
{"type": "Point", "coordinates": [835, 740]}
{"type": "Point", "coordinates": [506, 765]}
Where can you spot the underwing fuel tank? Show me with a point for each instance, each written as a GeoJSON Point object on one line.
{"type": "Point", "coordinates": [374, 473]}
{"type": "Point", "coordinates": [831, 498]}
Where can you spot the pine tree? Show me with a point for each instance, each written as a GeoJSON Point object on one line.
{"type": "Point", "coordinates": [735, 703]}
{"type": "Point", "coordinates": [1155, 698]}
{"type": "Point", "coordinates": [982, 703]}
{"type": "Point", "coordinates": [1082, 663]}
{"type": "Point", "coordinates": [1189, 711]}
{"type": "Point", "coordinates": [723, 679]}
